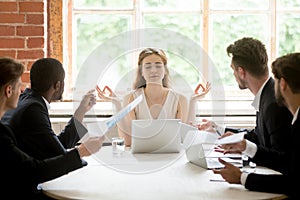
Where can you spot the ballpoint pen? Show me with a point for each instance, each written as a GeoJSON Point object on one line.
{"type": "Point", "coordinates": [217, 180]}
{"type": "Point", "coordinates": [217, 131]}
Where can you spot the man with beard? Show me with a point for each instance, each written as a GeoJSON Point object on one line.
{"type": "Point", "coordinates": [30, 120]}
{"type": "Point", "coordinates": [286, 70]}
{"type": "Point", "coordinates": [250, 68]}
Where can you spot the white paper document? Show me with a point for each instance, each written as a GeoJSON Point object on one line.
{"type": "Point", "coordinates": [117, 117]}
{"type": "Point", "coordinates": [102, 127]}
{"type": "Point", "coordinates": [234, 138]}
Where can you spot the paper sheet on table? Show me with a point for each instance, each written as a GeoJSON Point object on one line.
{"type": "Point", "coordinates": [211, 153]}
{"type": "Point", "coordinates": [102, 127]}
{"type": "Point", "coordinates": [213, 163]}
{"type": "Point", "coordinates": [234, 138]}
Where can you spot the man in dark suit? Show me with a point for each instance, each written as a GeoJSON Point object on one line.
{"type": "Point", "coordinates": [30, 120]}
{"type": "Point", "coordinates": [250, 68]}
{"type": "Point", "coordinates": [20, 173]}
{"type": "Point", "coordinates": [286, 70]}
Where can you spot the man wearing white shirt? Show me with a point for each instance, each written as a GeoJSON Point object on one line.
{"type": "Point", "coordinates": [250, 68]}
{"type": "Point", "coordinates": [286, 70]}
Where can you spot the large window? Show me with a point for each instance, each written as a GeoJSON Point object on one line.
{"type": "Point", "coordinates": [210, 24]}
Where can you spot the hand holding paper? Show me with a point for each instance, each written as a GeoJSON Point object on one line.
{"type": "Point", "coordinates": [101, 128]}
{"type": "Point", "coordinates": [234, 138]}
{"type": "Point", "coordinates": [232, 144]}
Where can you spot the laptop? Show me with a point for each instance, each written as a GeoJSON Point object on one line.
{"type": "Point", "coordinates": [156, 136]}
{"type": "Point", "coordinates": [203, 155]}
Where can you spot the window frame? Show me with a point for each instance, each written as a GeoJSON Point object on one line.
{"type": "Point", "coordinates": [66, 41]}
{"type": "Point", "coordinates": [136, 14]}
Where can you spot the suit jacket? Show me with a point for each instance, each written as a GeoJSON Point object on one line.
{"type": "Point", "coordinates": [32, 127]}
{"type": "Point", "coordinates": [273, 122]}
{"type": "Point", "coordinates": [20, 173]}
{"type": "Point", "coordinates": [286, 183]}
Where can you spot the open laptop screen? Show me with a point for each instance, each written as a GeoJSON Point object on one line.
{"type": "Point", "coordinates": [156, 136]}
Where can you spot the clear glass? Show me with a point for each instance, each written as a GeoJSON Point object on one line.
{"type": "Point", "coordinates": [92, 4]}
{"type": "Point", "coordinates": [288, 27]}
{"type": "Point", "coordinates": [118, 145]}
{"type": "Point", "coordinates": [284, 4]}
{"type": "Point", "coordinates": [183, 75]}
{"type": "Point", "coordinates": [173, 4]}
{"type": "Point", "coordinates": [91, 30]}
{"type": "Point", "coordinates": [188, 25]}
{"type": "Point", "coordinates": [228, 28]}
{"type": "Point", "coordinates": [119, 75]}
{"type": "Point", "coordinates": [239, 4]}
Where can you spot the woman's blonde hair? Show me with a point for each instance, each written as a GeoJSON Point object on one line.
{"type": "Point", "coordinates": [140, 81]}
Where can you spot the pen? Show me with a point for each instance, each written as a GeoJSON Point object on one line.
{"type": "Point", "coordinates": [217, 180]}
{"type": "Point", "coordinates": [217, 131]}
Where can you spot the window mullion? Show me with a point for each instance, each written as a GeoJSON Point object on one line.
{"type": "Point", "coordinates": [273, 31]}
{"type": "Point", "coordinates": [205, 40]}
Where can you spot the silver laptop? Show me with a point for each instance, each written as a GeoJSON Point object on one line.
{"type": "Point", "coordinates": [156, 136]}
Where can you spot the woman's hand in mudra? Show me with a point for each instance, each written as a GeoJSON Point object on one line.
{"type": "Point", "coordinates": [204, 90]}
{"type": "Point", "coordinates": [107, 95]}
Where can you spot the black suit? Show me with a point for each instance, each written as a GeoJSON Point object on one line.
{"type": "Point", "coordinates": [273, 122]}
{"type": "Point", "coordinates": [20, 173]}
{"type": "Point", "coordinates": [32, 127]}
{"type": "Point", "coordinates": [286, 183]}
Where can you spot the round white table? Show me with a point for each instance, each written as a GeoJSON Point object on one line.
{"type": "Point", "coordinates": [146, 176]}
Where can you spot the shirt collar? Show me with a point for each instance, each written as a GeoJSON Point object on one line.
{"type": "Point", "coordinates": [295, 115]}
{"type": "Point", "coordinates": [256, 101]}
{"type": "Point", "coordinates": [47, 103]}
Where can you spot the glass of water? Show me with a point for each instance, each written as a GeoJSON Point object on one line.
{"type": "Point", "coordinates": [118, 145]}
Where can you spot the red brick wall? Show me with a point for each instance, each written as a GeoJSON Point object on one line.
{"type": "Point", "coordinates": [22, 31]}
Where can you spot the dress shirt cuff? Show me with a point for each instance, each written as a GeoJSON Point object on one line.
{"type": "Point", "coordinates": [244, 177]}
{"type": "Point", "coordinates": [80, 128]}
{"type": "Point", "coordinates": [251, 149]}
